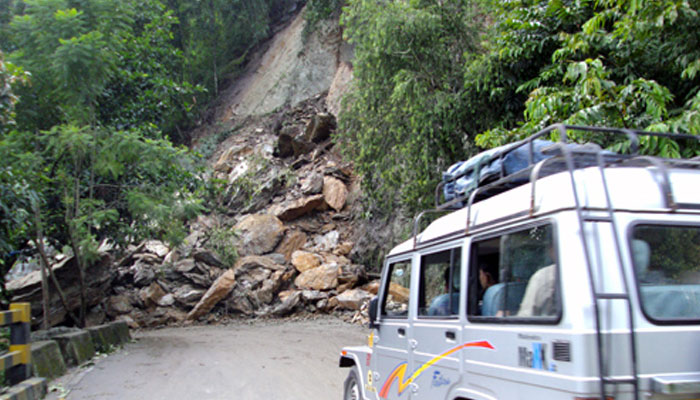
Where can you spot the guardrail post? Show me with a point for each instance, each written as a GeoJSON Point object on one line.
{"type": "Point", "coordinates": [20, 342]}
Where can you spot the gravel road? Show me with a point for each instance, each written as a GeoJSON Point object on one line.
{"type": "Point", "coordinates": [286, 360]}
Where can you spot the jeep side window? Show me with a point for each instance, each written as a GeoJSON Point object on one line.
{"type": "Point", "coordinates": [439, 283]}
{"type": "Point", "coordinates": [666, 260]}
{"type": "Point", "coordinates": [395, 303]}
{"type": "Point", "coordinates": [515, 275]}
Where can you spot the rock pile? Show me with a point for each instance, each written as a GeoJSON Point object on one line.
{"type": "Point", "coordinates": [288, 203]}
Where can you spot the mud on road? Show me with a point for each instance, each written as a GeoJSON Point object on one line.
{"type": "Point", "coordinates": [264, 360]}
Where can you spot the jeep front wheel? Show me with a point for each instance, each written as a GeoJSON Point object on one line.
{"type": "Point", "coordinates": [352, 386]}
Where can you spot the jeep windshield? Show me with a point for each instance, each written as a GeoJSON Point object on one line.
{"type": "Point", "coordinates": [667, 269]}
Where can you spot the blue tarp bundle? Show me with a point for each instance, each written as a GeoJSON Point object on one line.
{"type": "Point", "coordinates": [486, 167]}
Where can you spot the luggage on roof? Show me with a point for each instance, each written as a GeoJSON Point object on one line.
{"type": "Point", "coordinates": [505, 167]}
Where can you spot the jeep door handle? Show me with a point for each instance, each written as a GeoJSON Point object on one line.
{"type": "Point", "coordinates": [401, 331]}
{"type": "Point", "coordinates": [450, 335]}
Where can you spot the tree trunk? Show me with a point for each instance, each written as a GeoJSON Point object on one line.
{"type": "Point", "coordinates": [45, 264]}
{"type": "Point", "coordinates": [76, 251]}
{"type": "Point", "coordinates": [44, 267]}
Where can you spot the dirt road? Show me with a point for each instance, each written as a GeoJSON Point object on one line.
{"type": "Point", "coordinates": [267, 360]}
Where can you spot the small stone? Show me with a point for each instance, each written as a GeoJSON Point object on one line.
{"type": "Point", "coordinates": [167, 300]}
{"type": "Point", "coordinates": [293, 241]}
{"type": "Point", "coordinates": [343, 249]}
{"type": "Point", "coordinates": [303, 260]}
{"type": "Point", "coordinates": [144, 275]}
{"type": "Point", "coordinates": [118, 305]}
{"type": "Point", "coordinates": [157, 247]}
{"type": "Point", "coordinates": [312, 184]}
{"type": "Point", "coordinates": [208, 258]}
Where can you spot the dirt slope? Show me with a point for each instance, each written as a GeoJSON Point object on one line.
{"type": "Point", "coordinates": [287, 70]}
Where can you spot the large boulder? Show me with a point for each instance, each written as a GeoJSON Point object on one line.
{"type": "Point", "coordinates": [252, 278]}
{"type": "Point", "coordinates": [339, 86]}
{"type": "Point", "coordinates": [285, 140]}
{"type": "Point", "coordinates": [334, 192]}
{"type": "Point", "coordinates": [98, 275]}
{"type": "Point", "coordinates": [324, 277]}
{"type": "Point", "coordinates": [350, 275]}
{"type": "Point", "coordinates": [327, 242]}
{"type": "Point", "coordinates": [292, 210]}
{"type": "Point", "coordinates": [259, 234]}
{"type": "Point", "coordinates": [319, 128]}
{"type": "Point", "coordinates": [353, 299]}
{"type": "Point", "coordinates": [185, 265]}
{"type": "Point", "coordinates": [230, 156]}
{"type": "Point", "coordinates": [251, 262]}
{"type": "Point", "coordinates": [219, 290]}
{"type": "Point", "coordinates": [398, 293]}
{"type": "Point", "coordinates": [288, 304]}
{"type": "Point", "coordinates": [240, 301]}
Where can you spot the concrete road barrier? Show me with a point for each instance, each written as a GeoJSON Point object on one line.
{"type": "Point", "coordinates": [48, 360]}
{"type": "Point", "coordinates": [30, 389]}
{"type": "Point", "coordinates": [76, 347]}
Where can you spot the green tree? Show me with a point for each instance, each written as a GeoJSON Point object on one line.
{"type": "Point", "coordinates": [626, 64]}
{"type": "Point", "coordinates": [10, 77]}
{"type": "Point", "coordinates": [84, 185]}
{"type": "Point", "coordinates": [148, 91]}
{"type": "Point", "coordinates": [71, 50]}
{"type": "Point", "coordinates": [404, 120]}
{"type": "Point", "coordinates": [216, 35]}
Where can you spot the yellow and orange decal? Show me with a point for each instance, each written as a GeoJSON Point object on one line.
{"type": "Point", "coordinates": [399, 372]}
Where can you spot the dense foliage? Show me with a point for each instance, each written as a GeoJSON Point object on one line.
{"type": "Point", "coordinates": [621, 63]}
{"type": "Point", "coordinates": [404, 121]}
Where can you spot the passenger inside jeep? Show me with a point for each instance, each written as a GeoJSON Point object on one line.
{"type": "Point", "coordinates": [523, 281]}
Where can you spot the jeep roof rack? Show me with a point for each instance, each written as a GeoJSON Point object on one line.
{"type": "Point", "coordinates": [581, 156]}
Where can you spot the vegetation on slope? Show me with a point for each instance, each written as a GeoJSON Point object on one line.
{"type": "Point", "coordinates": [93, 94]}
{"type": "Point", "coordinates": [431, 90]}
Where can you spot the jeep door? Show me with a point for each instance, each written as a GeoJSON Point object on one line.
{"type": "Point", "coordinates": [437, 332]}
{"type": "Point", "coordinates": [391, 354]}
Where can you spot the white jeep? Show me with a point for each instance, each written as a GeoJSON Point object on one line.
{"type": "Point", "coordinates": [574, 276]}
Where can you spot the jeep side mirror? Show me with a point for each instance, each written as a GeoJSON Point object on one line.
{"type": "Point", "coordinates": [373, 313]}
